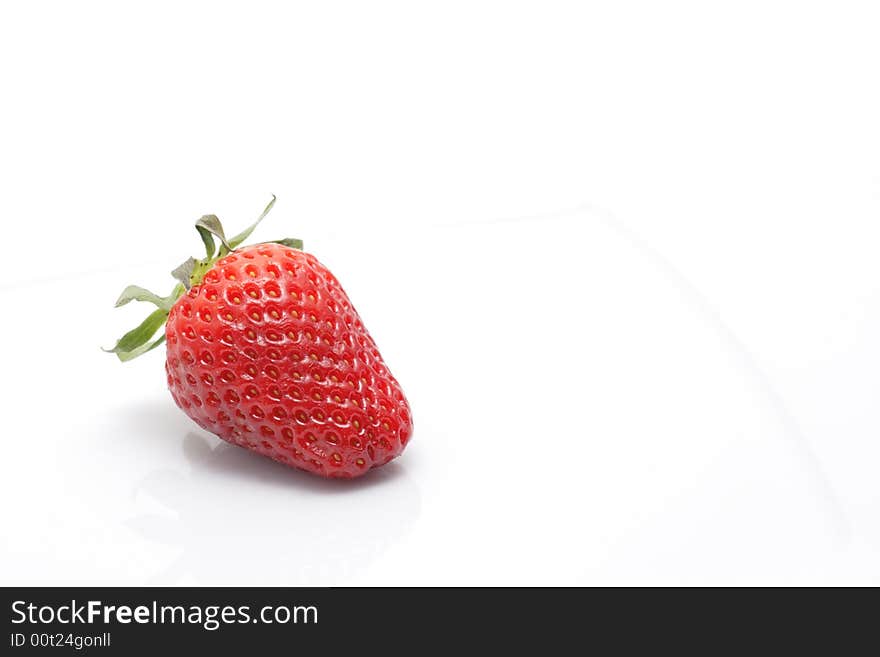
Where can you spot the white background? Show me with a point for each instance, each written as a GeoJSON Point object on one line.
{"type": "Point", "coordinates": [621, 256]}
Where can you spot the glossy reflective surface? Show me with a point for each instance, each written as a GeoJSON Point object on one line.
{"type": "Point", "coordinates": [583, 414]}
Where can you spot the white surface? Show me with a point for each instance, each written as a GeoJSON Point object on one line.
{"type": "Point", "coordinates": [681, 389]}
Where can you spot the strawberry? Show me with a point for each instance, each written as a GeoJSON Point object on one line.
{"type": "Point", "coordinates": [265, 350]}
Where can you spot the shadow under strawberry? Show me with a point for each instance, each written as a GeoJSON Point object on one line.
{"type": "Point", "coordinates": [239, 518]}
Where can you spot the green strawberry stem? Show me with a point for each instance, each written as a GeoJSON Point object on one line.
{"type": "Point", "coordinates": [141, 339]}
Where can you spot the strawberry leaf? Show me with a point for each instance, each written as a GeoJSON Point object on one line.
{"type": "Point", "coordinates": [243, 235]}
{"type": "Point", "coordinates": [184, 271]}
{"type": "Point", "coordinates": [141, 350]}
{"type": "Point", "coordinates": [137, 293]}
{"type": "Point", "coordinates": [292, 242]}
{"type": "Point", "coordinates": [207, 240]}
{"type": "Point", "coordinates": [137, 341]}
{"type": "Point", "coordinates": [209, 226]}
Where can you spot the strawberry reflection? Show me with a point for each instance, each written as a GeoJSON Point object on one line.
{"type": "Point", "coordinates": [241, 519]}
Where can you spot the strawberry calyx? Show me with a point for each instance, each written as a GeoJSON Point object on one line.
{"type": "Point", "coordinates": [189, 273]}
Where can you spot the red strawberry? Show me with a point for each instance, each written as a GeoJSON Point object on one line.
{"type": "Point", "coordinates": [265, 350]}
